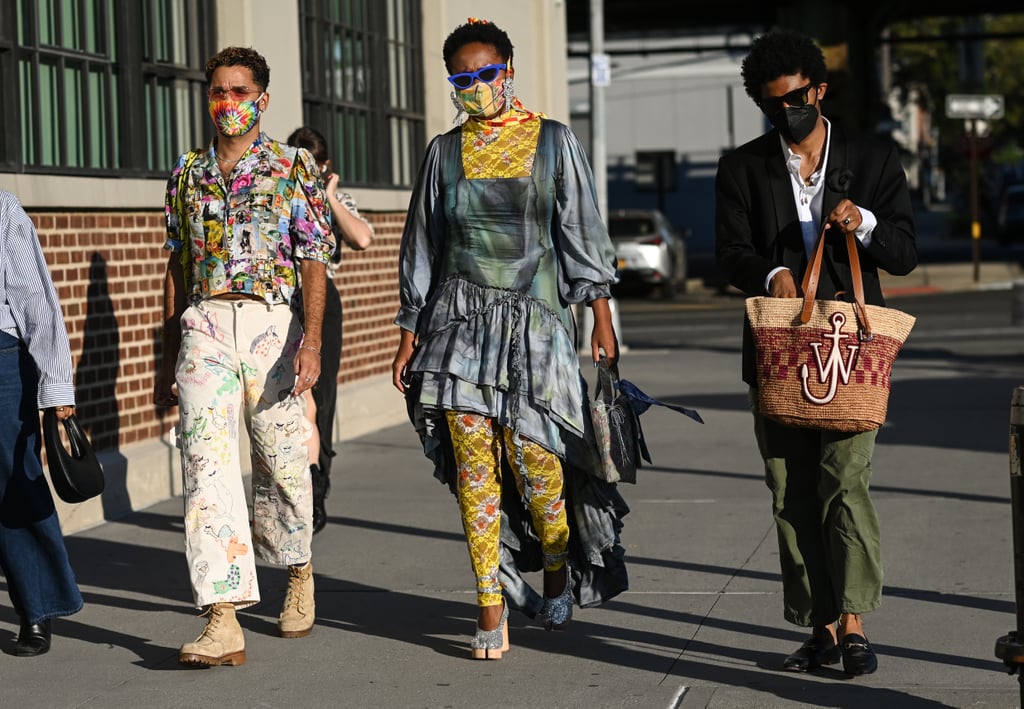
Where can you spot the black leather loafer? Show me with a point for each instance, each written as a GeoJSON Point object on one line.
{"type": "Point", "coordinates": [858, 657]}
{"type": "Point", "coordinates": [814, 653]}
{"type": "Point", "coordinates": [33, 639]}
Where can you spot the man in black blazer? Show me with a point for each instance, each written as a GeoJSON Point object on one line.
{"type": "Point", "coordinates": [773, 196]}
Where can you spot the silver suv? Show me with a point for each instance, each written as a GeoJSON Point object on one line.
{"type": "Point", "coordinates": [648, 250]}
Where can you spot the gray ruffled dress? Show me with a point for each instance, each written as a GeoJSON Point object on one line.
{"type": "Point", "coordinates": [489, 270]}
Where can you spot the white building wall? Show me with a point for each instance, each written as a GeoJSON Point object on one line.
{"type": "Point", "coordinates": [538, 34]}
{"type": "Point", "coordinates": [271, 27]}
{"type": "Point", "coordinates": [536, 27]}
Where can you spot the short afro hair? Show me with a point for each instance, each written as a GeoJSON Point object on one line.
{"type": "Point", "coordinates": [781, 53]}
{"type": "Point", "coordinates": [481, 31]}
{"type": "Point", "coordinates": [241, 56]}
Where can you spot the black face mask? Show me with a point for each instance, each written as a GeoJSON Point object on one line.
{"type": "Point", "coordinates": [795, 123]}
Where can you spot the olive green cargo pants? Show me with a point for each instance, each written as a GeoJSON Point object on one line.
{"type": "Point", "coordinates": [829, 540]}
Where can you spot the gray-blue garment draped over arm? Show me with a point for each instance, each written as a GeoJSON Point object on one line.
{"type": "Point", "coordinates": [421, 241]}
{"type": "Point", "coordinates": [586, 252]}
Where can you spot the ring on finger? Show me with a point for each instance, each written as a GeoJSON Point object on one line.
{"type": "Point", "coordinates": [846, 222]}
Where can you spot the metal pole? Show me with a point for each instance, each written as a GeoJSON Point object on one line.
{"type": "Point", "coordinates": [975, 224]}
{"type": "Point", "coordinates": [1017, 303]}
{"type": "Point", "coordinates": [1009, 648]}
{"type": "Point", "coordinates": [599, 135]}
{"type": "Point", "coordinates": [598, 131]}
{"type": "Point", "coordinates": [730, 118]}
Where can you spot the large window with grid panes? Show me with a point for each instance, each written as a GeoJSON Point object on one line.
{"type": "Point", "coordinates": [362, 86]}
{"type": "Point", "coordinates": [102, 87]}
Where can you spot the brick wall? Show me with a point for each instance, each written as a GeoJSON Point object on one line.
{"type": "Point", "coordinates": [109, 268]}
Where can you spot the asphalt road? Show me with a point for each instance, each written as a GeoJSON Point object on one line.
{"type": "Point", "coordinates": [700, 625]}
{"type": "Point", "coordinates": [975, 323]}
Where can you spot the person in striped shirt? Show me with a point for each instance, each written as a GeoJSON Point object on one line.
{"type": "Point", "coordinates": [35, 374]}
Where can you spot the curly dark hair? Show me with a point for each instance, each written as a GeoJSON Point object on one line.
{"type": "Point", "coordinates": [781, 53]}
{"type": "Point", "coordinates": [477, 31]}
{"type": "Point", "coordinates": [312, 140]}
{"type": "Point", "coordinates": [241, 56]}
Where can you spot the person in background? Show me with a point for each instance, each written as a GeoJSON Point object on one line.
{"type": "Point", "coordinates": [502, 237]}
{"type": "Point", "coordinates": [773, 196]}
{"type": "Point", "coordinates": [35, 374]}
{"type": "Point", "coordinates": [246, 217]}
{"type": "Point", "coordinates": [356, 233]}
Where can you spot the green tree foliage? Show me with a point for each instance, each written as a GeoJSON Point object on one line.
{"type": "Point", "coordinates": [1004, 74]}
{"type": "Point", "coordinates": [935, 58]}
{"type": "Point", "coordinates": [937, 65]}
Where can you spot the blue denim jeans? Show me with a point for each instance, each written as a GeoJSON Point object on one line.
{"type": "Point", "coordinates": [33, 558]}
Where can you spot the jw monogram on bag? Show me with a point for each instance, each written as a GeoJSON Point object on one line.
{"type": "Point", "coordinates": [826, 363]}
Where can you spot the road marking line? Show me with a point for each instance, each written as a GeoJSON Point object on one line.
{"type": "Point", "coordinates": [677, 698]}
{"type": "Point", "coordinates": [673, 502]}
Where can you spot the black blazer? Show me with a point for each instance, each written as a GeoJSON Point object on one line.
{"type": "Point", "coordinates": [757, 230]}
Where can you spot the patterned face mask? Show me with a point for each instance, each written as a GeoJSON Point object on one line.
{"type": "Point", "coordinates": [483, 99]}
{"type": "Point", "coordinates": [234, 118]}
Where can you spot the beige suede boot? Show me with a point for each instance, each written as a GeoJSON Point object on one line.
{"type": "Point", "coordinates": [299, 610]}
{"type": "Point", "coordinates": [220, 643]}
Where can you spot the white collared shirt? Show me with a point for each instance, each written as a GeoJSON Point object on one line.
{"type": "Point", "coordinates": [809, 196]}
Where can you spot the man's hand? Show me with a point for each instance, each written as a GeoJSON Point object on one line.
{"type": "Point", "coordinates": [782, 285]}
{"type": "Point", "coordinates": [846, 216]}
{"type": "Point", "coordinates": [307, 368]}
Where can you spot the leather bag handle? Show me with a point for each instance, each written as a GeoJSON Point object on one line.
{"type": "Point", "coordinates": [813, 274]}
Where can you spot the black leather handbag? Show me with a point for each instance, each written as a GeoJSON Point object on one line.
{"type": "Point", "coordinates": [76, 474]}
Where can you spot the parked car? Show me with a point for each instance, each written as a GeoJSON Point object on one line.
{"type": "Point", "coordinates": [1011, 214]}
{"type": "Point", "coordinates": [648, 250]}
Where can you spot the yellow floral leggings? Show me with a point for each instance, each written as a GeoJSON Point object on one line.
{"type": "Point", "coordinates": [478, 451]}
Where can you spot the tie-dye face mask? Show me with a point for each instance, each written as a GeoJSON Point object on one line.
{"type": "Point", "coordinates": [234, 118]}
{"type": "Point", "coordinates": [483, 99]}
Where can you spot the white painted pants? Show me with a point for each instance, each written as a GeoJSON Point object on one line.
{"type": "Point", "coordinates": [239, 355]}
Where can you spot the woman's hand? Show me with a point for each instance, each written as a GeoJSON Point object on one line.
{"type": "Point", "coordinates": [401, 361]}
{"type": "Point", "coordinates": [354, 231]}
{"type": "Point", "coordinates": [64, 412]}
{"type": "Point", "coordinates": [602, 339]}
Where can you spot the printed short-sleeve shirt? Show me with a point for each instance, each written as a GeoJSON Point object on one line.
{"type": "Point", "coordinates": [245, 232]}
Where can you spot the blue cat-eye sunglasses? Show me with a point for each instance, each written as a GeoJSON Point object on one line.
{"type": "Point", "coordinates": [486, 74]}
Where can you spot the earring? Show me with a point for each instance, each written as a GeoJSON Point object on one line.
{"type": "Point", "coordinates": [458, 108]}
{"type": "Point", "coordinates": [509, 93]}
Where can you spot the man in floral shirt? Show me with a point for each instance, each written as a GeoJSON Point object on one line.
{"type": "Point", "coordinates": [247, 224]}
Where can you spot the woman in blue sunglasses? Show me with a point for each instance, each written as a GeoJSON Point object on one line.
{"type": "Point", "coordinates": [503, 236]}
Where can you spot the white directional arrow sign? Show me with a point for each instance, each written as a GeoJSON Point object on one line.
{"type": "Point", "coordinates": [987, 106]}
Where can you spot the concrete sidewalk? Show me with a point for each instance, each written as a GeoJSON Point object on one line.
{"type": "Point", "coordinates": [701, 625]}
{"type": "Point", "coordinates": [142, 474]}
{"type": "Point", "coordinates": [945, 277]}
